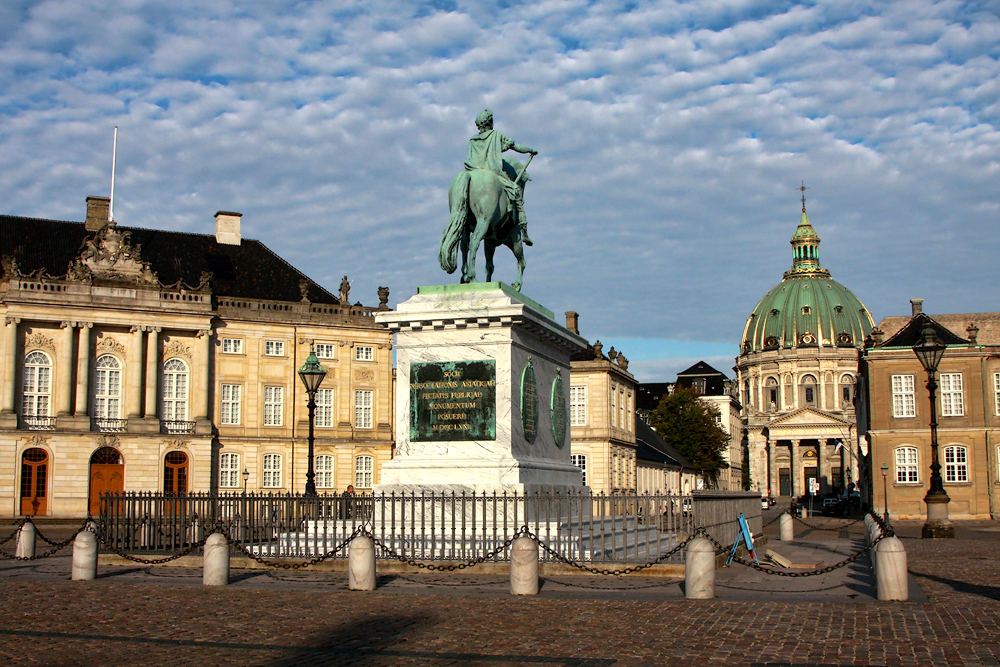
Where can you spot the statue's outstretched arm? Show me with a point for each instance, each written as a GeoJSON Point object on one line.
{"type": "Point", "coordinates": [524, 149]}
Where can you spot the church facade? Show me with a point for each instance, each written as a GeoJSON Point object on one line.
{"type": "Point", "coordinates": [160, 361]}
{"type": "Point", "coordinates": [797, 376]}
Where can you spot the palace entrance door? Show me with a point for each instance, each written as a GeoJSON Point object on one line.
{"type": "Point", "coordinates": [107, 475]}
{"type": "Point", "coordinates": [34, 481]}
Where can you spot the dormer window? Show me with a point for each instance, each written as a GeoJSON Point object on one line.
{"type": "Point", "coordinates": [806, 310]}
{"type": "Point", "coordinates": [838, 309]}
{"type": "Point", "coordinates": [774, 312]}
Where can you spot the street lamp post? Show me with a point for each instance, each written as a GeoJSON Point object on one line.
{"type": "Point", "coordinates": [885, 492]}
{"type": "Point", "coordinates": [246, 476]}
{"type": "Point", "coordinates": [312, 374]}
{"type": "Point", "coordinates": [929, 350]}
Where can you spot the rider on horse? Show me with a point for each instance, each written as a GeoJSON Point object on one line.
{"type": "Point", "coordinates": [485, 153]}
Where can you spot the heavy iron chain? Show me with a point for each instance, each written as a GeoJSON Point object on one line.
{"type": "Point", "coordinates": [628, 570]}
{"type": "Point", "coordinates": [360, 530]}
{"type": "Point", "coordinates": [773, 520]}
{"type": "Point", "coordinates": [85, 526]}
{"type": "Point", "coordinates": [56, 546]}
{"type": "Point", "coordinates": [154, 561]}
{"type": "Point", "coordinates": [14, 534]}
{"type": "Point", "coordinates": [454, 566]}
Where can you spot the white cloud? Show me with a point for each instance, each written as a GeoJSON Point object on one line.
{"type": "Point", "coordinates": [672, 137]}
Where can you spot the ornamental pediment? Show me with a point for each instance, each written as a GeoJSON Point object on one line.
{"type": "Point", "coordinates": [109, 255]}
{"type": "Point", "coordinates": [808, 417]}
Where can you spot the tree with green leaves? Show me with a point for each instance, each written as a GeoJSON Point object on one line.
{"type": "Point", "coordinates": [688, 425]}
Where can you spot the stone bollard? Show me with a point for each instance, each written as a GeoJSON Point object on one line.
{"type": "Point", "coordinates": [215, 562]}
{"type": "Point", "coordinates": [84, 556]}
{"type": "Point", "coordinates": [524, 566]}
{"type": "Point", "coordinates": [25, 541]}
{"type": "Point", "coordinates": [361, 564]}
{"type": "Point", "coordinates": [787, 525]}
{"type": "Point", "coordinates": [891, 580]}
{"type": "Point", "coordinates": [699, 570]}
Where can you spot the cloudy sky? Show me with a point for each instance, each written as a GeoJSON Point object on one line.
{"type": "Point", "coordinates": [673, 137]}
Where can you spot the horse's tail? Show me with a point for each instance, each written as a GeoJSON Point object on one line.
{"type": "Point", "coordinates": [458, 199]}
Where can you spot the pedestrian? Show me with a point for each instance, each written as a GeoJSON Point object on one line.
{"type": "Point", "coordinates": [347, 503]}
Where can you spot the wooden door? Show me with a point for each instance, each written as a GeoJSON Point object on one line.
{"type": "Point", "coordinates": [107, 475]}
{"type": "Point", "coordinates": [34, 481]}
{"type": "Point", "coordinates": [175, 472]}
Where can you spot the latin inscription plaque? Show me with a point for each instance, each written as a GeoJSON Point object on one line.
{"type": "Point", "coordinates": [453, 400]}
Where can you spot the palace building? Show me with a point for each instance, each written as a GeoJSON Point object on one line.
{"type": "Point", "coordinates": [148, 360]}
{"type": "Point", "coordinates": [797, 373]}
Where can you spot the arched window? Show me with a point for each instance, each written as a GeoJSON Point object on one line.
{"type": "Point", "coordinates": [847, 392]}
{"type": "Point", "coordinates": [34, 480]}
{"type": "Point", "coordinates": [107, 388]}
{"type": "Point", "coordinates": [363, 472]}
{"type": "Point", "coordinates": [906, 465]}
{"type": "Point", "coordinates": [175, 472]}
{"type": "Point", "coordinates": [37, 385]}
{"type": "Point", "coordinates": [772, 393]}
{"type": "Point", "coordinates": [175, 391]}
{"type": "Point", "coordinates": [324, 472]}
{"type": "Point", "coordinates": [956, 464]}
{"type": "Point", "coordinates": [809, 389]}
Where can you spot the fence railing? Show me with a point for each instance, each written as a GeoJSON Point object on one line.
{"type": "Point", "coordinates": [450, 527]}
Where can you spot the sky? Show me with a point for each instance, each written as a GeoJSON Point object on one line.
{"type": "Point", "coordinates": [672, 137]}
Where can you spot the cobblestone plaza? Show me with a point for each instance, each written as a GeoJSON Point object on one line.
{"type": "Point", "coordinates": [163, 616]}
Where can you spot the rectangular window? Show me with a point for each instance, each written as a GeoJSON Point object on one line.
{"type": "Point", "coordinates": [580, 461]}
{"type": "Point", "coordinates": [614, 407]}
{"type": "Point", "coordinates": [274, 348]}
{"type": "Point", "coordinates": [362, 409]}
{"type": "Point", "coordinates": [577, 406]}
{"type": "Point", "coordinates": [324, 471]}
{"type": "Point", "coordinates": [324, 408]}
{"type": "Point", "coordinates": [231, 403]}
{"type": "Point", "coordinates": [364, 353]}
{"type": "Point", "coordinates": [363, 472]}
{"type": "Point", "coordinates": [906, 465]}
{"type": "Point", "coordinates": [951, 395]}
{"type": "Point", "coordinates": [232, 346]}
{"type": "Point", "coordinates": [324, 350]}
{"type": "Point", "coordinates": [956, 468]}
{"type": "Point", "coordinates": [996, 392]}
{"type": "Point", "coordinates": [272, 471]}
{"type": "Point", "coordinates": [273, 404]}
{"type": "Point", "coordinates": [629, 415]}
{"type": "Point", "coordinates": [621, 408]}
{"type": "Point", "coordinates": [902, 396]}
{"type": "Point", "coordinates": [229, 471]}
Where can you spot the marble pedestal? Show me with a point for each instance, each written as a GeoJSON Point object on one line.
{"type": "Point", "coordinates": [469, 416]}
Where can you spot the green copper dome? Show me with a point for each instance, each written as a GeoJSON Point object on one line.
{"type": "Point", "coordinates": [807, 308]}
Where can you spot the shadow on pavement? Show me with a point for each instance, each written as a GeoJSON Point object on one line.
{"type": "Point", "coordinates": [982, 590]}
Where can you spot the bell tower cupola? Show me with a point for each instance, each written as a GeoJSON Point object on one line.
{"type": "Point", "coordinates": [805, 246]}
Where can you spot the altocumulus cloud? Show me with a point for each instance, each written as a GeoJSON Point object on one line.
{"type": "Point", "coordinates": [672, 138]}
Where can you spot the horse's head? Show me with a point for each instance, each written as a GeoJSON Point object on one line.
{"type": "Point", "coordinates": [514, 169]}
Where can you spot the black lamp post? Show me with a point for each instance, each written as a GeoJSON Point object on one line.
{"type": "Point", "coordinates": [312, 374]}
{"type": "Point", "coordinates": [929, 351]}
{"type": "Point", "coordinates": [246, 476]}
{"type": "Point", "coordinates": [885, 492]}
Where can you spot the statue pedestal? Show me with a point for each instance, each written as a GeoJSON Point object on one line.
{"type": "Point", "coordinates": [482, 394]}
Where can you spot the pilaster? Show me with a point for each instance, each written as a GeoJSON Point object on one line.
{"type": "Point", "coordinates": [64, 375]}
{"type": "Point", "coordinates": [8, 417]}
{"type": "Point", "coordinates": [200, 386]}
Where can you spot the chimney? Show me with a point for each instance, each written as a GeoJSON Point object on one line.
{"type": "Point", "coordinates": [917, 305]}
{"type": "Point", "coordinates": [227, 227]}
{"type": "Point", "coordinates": [573, 321]}
{"type": "Point", "coordinates": [97, 212]}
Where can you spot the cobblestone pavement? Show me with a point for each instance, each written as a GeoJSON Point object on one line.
{"type": "Point", "coordinates": [131, 616]}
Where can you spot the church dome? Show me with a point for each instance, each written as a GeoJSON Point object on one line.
{"type": "Point", "coordinates": [807, 308]}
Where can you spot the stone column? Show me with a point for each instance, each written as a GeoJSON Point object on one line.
{"type": "Point", "coordinates": [9, 417]}
{"type": "Point", "coordinates": [64, 377]}
{"type": "Point", "coordinates": [820, 444]}
{"type": "Point", "coordinates": [771, 472]}
{"type": "Point", "coordinates": [152, 372]}
{"type": "Point", "coordinates": [133, 372]}
{"type": "Point", "coordinates": [200, 388]}
{"type": "Point", "coordinates": [793, 479]}
{"type": "Point", "coordinates": [83, 369]}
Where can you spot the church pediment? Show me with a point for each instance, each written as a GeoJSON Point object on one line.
{"type": "Point", "coordinates": [808, 417]}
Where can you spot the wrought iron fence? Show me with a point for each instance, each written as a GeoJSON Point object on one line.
{"type": "Point", "coordinates": [433, 527]}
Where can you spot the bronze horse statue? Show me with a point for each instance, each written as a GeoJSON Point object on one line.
{"type": "Point", "coordinates": [481, 211]}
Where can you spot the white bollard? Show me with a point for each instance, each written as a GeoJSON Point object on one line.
{"type": "Point", "coordinates": [26, 541]}
{"type": "Point", "coordinates": [361, 564]}
{"type": "Point", "coordinates": [787, 526]}
{"type": "Point", "coordinates": [524, 566]}
{"type": "Point", "coordinates": [215, 563]}
{"type": "Point", "coordinates": [891, 579]}
{"type": "Point", "coordinates": [699, 570]}
{"type": "Point", "coordinates": [84, 557]}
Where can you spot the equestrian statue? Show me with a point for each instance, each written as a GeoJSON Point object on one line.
{"type": "Point", "coordinates": [487, 204]}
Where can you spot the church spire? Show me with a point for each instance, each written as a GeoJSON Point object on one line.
{"type": "Point", "coordinates": [805, 245]}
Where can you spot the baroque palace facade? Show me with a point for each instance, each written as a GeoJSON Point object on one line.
{"type": "Point", "coordinates": [161, 361]}
{"type": "Point", "coordinates": [797, 374]}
